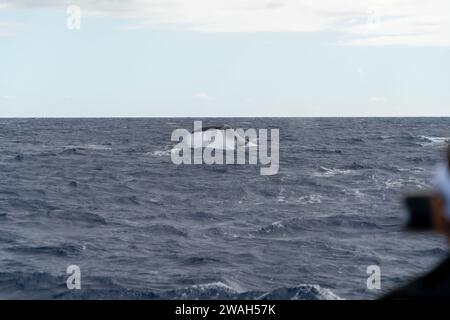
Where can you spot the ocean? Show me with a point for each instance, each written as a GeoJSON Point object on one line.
{"type": "Point", "coordinates": [104, 195]}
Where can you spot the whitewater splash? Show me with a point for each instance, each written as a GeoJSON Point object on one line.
{"type": "Point", "coordinates": [209, 291]}
{"type": "Point", "coordinates": [95, 147]}
{"type": "Point", "coordinates": [220, 290]}
{"type": "Point", "coordinates": [224, 138]}
{"type": "Point", "coordinates": [207, 146]}
{"type": "Point", "coordinates": [431, 141]}
{"type": "Point", "coordinates": [326, 172]}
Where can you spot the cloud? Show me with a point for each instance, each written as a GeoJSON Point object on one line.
{"type": "Point", "coordinates": [357, 22]}
{"type": "Point", "coordinates": [360, 71]}
{"type": "Point", "coordinates": [377, 100]}
{"type": "Point", "coordinates": [7, 97]}
{"type": "Point", "coordinates": [8, 29]}
{"type": "Point", "coordinates": [421, 25]}
{"type": "Point", "coordinates": [202, 96]}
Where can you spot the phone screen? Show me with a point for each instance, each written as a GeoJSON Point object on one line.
{"type": "Point", "coordinates": [420, 212]}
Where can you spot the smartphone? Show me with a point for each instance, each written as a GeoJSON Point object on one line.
{"type": "Point", "coordinates": [420, 212]}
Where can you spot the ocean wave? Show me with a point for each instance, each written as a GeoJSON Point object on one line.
{"type": "Point", "coordinates": [165, 229]}
{"type": "Point", "coordinates": [430, 141]}
{"type": "Point", "coordinates": [400, 169]}
{"type": "Point", "coordinates": [310, 199]}
{"type": "Point", "coordinates": [7, 237]}
{"type": "Point", "coordinates": [127, 200]}
{"type": "Point", "coordinates": [220, 290]}
{"type": "Point", "coordinates": [210, 291]}
{"type": "Point", "coordinates": [161, 153]}
{"type": "Point", "coordinates": [71, 151]}
{"type": "Point", "coordinates": [396, 183]}
{"type": "Point", "coordinates": [433, 251]}
{"type": "Point", "coordinates": [77, 216]}
{"type": "Point", "coordinates": [326, 172]}
{"type": "Point", "coordinates": [32, 154]}
{"type": "Point", "coordinates": [273, 227]}
{"type": "Point", "coordinates": [413, 169]}
{"type": "Point", "coordinates": [301, 292]}
{"type": "Point", "coordinates": [294, 226]}
{"type": "Point", "coordinates": [24, 285]}
{"type": "Point", "coordinates": [357, 166]}
{"type": "Point", "coordinates": [9, 193]}
{"type": "Point", "coordinates": [19, 157]}
{"type": "Point", "coordinates": [351, 140]}
{"type": "Point", "coordinates": [201, 215]}
{"type": "Point", "coordinates": [354, 167]}
{"type": "Point", "coordinates": [202, 260]}
{"type": "Point", "coordinates": [96, 147]}
{"type": "Point", "coordinates": [63, 250]}
{"type": "Point", "coordinates": [323, 150]}
{"type": "Point", "coordinates": [43, 285]}
{"type": "Point", "coordinates": [306, 199]}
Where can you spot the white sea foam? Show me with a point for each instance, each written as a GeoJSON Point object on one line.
{"type": "Point", "coordinates": [217, 285]}
{"type": "Point", "coordinates": [310, 199]}
{"type": "Point", "coordinates": [96, 147]}
{"type": "Point", "coordinates": [429, 141]}
{"type": "Point", "coordinates": [397, 183]}
{"type": "Point", "coordinates": [414, 169]}
{"type": "Point", "coordinates": [232, 290]}
{"type": "Point", "coordinates": [326, 172]}
{"type": "Point", "coordinates": [301, 292]}
{"type": "Point", "coordinates": [278, 224]}
{"type": "Point", "coordinates": [161, 153]}
{"type": "Point", "coordinates": [222, 141]}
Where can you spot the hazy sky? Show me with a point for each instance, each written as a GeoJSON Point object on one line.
{"type": "Point", "coordinates": [225, 58]}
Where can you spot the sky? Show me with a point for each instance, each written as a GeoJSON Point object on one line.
{"type": "Point", "coordinates": [224, 58]}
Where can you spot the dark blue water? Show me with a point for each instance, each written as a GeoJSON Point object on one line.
{"type": "Point", "coordinates": [103, 194]}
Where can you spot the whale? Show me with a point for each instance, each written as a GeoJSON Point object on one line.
{"type": "Point", "coordinates": [225, 145]}
{"type": "Point", "coordinates": [225, 137]}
